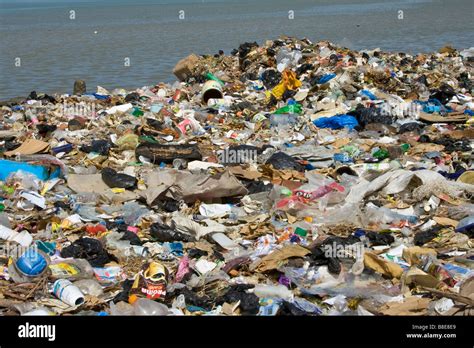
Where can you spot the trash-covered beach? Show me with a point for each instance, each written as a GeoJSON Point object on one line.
{"type": "Point", "coordinates": [289, 178]}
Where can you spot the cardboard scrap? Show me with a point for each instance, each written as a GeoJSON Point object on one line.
{"type": "Point", "coordinates": [245, 173]}
{"type": "Point", "coordinates": [412, 255]}
{"type": "Point", "coordinates": [415, 276]}
{"type": "Point", "coordinates": [29, 147]}
{"type": "Point", "coordinates": [93, 183]}
{"type": "Point", "coordinates": [274, 259]}
{"type": "Point", "coordinates": [422, 148]}
{"type": "Point", "coordinates": [443, 221]}
{"type": "Point", "coordinates": [411, 306]}
{"type": "Point", "coordinates": [254, 230]}
{"type": "Point", "coordinates": [380, 265]}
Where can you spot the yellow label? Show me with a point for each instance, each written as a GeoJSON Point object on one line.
{"type": "Point", "coordinates": [64, 269]}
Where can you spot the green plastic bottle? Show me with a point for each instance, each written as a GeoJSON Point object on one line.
{"type": "Point", "coordinates": [210, 76]}
{"type": "Point", "coordinates": [381, 154]}
{"type": "Point", "coordinates": [405, 147]}
{"type": "Point", "coordinates": [137, 112]}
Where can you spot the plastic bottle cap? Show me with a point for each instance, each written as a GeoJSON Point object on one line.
{"type": "Point", "coordinates": [31, 263]}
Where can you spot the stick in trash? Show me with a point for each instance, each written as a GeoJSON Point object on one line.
{"type": "Point", "coordinates": [455, 297]}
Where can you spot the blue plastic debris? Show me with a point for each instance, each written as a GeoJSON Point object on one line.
{"type": "Point", "coordinates": [337, 122]}
{"type": "Point", "coordinates": [326, 78]}
{"type": "Point", "coordinates": [368, 94]}
{"type": "Point", "coordinates": [42, 172]}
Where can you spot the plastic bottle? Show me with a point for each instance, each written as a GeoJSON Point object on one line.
{"type": "Point", "coordinates": [121, 308]}
{"type": "Point", "coordinates": [87, 212]}
{"type": "Point", "coordinates": [137, 112]}
{"type": "Point", "coordinates": [381, 154]}
{"type": "Point", "coordinates": [465, 224]}
{"type": "Point", "coordinates": [179, 163]}
{"type": "Point", "coordinates": [68, 292]}
{"type": "Point", "coordinates": [144, 306]}
{"type": "Point", "coordinates": [303, 227]}
{"type": "Point", "coordinates": [179, 302]}
{"type": "Point", "coordinates": [89, 287]}
{"type": "Point", "coordinates": [385, 215]}
{"type": "Point", "coordinates": [63, 148]}
{"type": "Point", "coordinates": [24, 180]}
{"type": "Point", "coordinates": [266, 291]}
{"type": "Point", "coordinates": [4, 221]}
{"type": "Point", "coordinates": [342, 158]}
{"type": "Point", "coordinates": [210, 76]}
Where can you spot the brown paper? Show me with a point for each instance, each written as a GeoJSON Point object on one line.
{"type": "Point", "coordinates": [411, 306]}
{"type": "Point", "coordinates": [245, 173]}
{"type": "Point", "coordinates": [93, 183]}
{"type": "Point", "coordinates": [29, 147]}
{"type": "Point", "coordinates": [445, 221]}
{"type": "Point", "coordinates": [415, 276]}
{"type": "Point", "coordinates": [387, 268]}
{"type": "Point", "coordinates": [273, 260]}
{"type": "Point", "coordinates": [412, 255]}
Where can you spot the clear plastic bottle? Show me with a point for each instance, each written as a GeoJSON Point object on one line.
{"type": "Point", "coordinates": [386, 216]}
{"type": "Point", "coordinates": [89, 287]}
{"type": "Point", "coordinates": [179, 302]}
{"type": "Point", "coordinates": [4, 221]}
{"type": "Point", "coordinates": [143, 306]}
{"type": "Point", "coordinates": [85, 197]}
{"type": "Point", "coordinates": [121, 308]}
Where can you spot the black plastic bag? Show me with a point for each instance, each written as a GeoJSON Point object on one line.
{"type": "Point", "coordinates": [411, 127]}
{"type": "Point", "coordinates": [132, 237]}
{"type": "Point", "coordinates": [371, 115]}
{"type": "Point", "coordinates": [421, 238]}
{"type": "Point", "coordinates": [163, 233]}
{"type": "Point", "coordinates": [281, 160]}
{"type": "Point", "coordinates": [271, 78]}
{"type": "Point", "coordinates": [114, 179]}
{"type": "Point", "coordinates": [443, 94]}
{"type": "Point", "coordinates": [132, 97]}
{"type": "Point", "coordinates": [249, 303]}
{"type": "Point", "coordinates": [379, 238]}
{"type": "Point", "coordinates": [89, 249]}
{"type": "Point", "coordinates": [124, 294]}
{"type": "Point", "coordinates": [102, 147]}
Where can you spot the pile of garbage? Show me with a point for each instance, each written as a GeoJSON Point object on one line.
{"type": "Point", "coordinates": [289, 178]}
